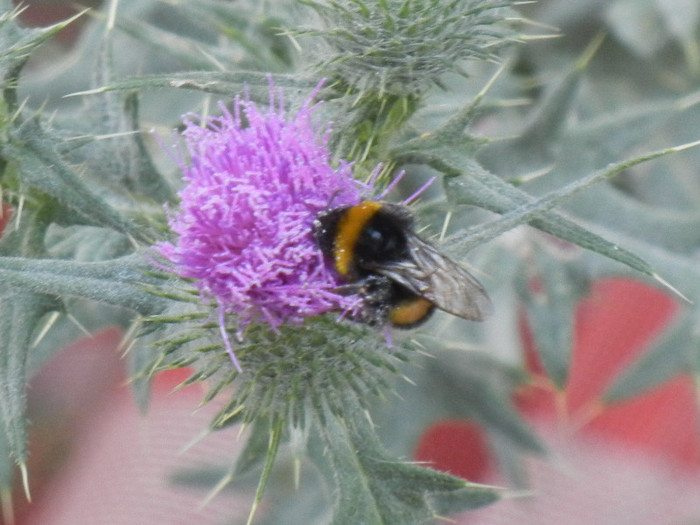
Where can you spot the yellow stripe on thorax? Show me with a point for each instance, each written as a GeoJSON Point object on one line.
{"type": "Point", "coordinates": [348, 232]}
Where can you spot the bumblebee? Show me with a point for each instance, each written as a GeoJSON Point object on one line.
{"type": "Point", "coordinates": [400, 277]}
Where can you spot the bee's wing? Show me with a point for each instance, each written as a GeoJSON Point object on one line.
{"type": "Point", "coordinates": [430, 274]}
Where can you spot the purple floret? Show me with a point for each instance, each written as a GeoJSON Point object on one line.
{"type": "Point", "coordinates": [255, 182]}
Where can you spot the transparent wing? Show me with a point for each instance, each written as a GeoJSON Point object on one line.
{"type": "Point", "coordinates": [430, 274]}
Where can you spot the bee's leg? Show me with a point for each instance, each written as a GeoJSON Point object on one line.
{"type": "Point", "coordinates": [376, 292]}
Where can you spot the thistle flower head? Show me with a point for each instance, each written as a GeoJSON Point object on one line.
{"type": "Point", "coordinates": [403, 47]}
{"type": "Point", "coordinates": [255, 181]}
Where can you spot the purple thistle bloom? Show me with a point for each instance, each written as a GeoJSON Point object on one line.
{"type": "Point", "coordinates": [254, 185]}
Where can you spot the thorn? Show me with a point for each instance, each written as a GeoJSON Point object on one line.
{"type": "Point", "coordinates": [517, 494]}
{"type": "Point", "coordinates": [86, 92]}
{"type": "Point", "coordinates": [445, 225]}
{"type": "Point", "coordinates": [527, 177]}
{"type": "Point", "coordinates": [273, 447]}
{"type": "Point", "coordinates": [77, 323]}
{"type": "Point", "coordinates": [492, 80]}
{"type": "Point", "coordinates": [685, 146]}
{"type": "Point", "coordinates": [297, 440]}
{"type": "Point", "coordinates": [194, 441]}
{"type": "Point", "coordinates": [128, 341]}
{"type": "Point", "coordinates": [217, 489]}
{"type": "Point", "coordinates": [227, 341]}
{"type": "Point", "coordinates": [294, 42]}
{"type": "Point", "coordinates": [244, 426]}
{"type": "Point", "coordinates": [297, 472]}
{"type": "Point", "coordinates": [18, 214]}
{"type": "Point", "coordinates": [111, 17]}
{"type": "Point", "coordinates": [531, 38]}
{"type": "Point", "coordinates": [590, 51]}
{"type": "Point", "coordinates": [409, 381]}
{"type": "Point", "coordinates": [53, 317]}
{"type": "Point", "coordinates": [672, 288]}
{"type": "Point", "coordinates": [25, 481]}
{"type": "Point", "coordinates": [534, 23]}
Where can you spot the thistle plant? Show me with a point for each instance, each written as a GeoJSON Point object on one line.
{"type": "Point", "coordinates": [200, 242]}
{"type": "Point", "coordinates": [244, 229]}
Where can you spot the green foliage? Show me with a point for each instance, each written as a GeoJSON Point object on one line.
{"type": "Point", "coordinates": [408, 84]}
{"type": "Point", "coordinates": [286, 372]}
{"type": "Point", "coordinates": [375, 488]}
{"type": "Point", "coordinates": [402, 47]}
{"type": "Point", "coordinates": [383, 56]}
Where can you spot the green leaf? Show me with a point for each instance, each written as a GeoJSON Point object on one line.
{"type": "Point", "coordinates": [638, 25]}
{"type": "Point", "coordinates": [120, 282]}
{"type": "Point", "coordinates": [7, 470]}
{"type": "Point", "coordinates": [492, 193]}
{"type": "Point", "coordinates": [148, 181]}
{"type": "Point", "coordinates": [256, 447]}
{"type": "Point", "coordinates": [373, 488]}
{"type": "Point", "coordinates": [471, 497]}
{"type": "Point", "coordinates": [606, 138]}
{"type": "Point", "coordinates": [225, 83]}
{"type": "Point", "coordinates": [274, 433]}
{"type": "Point", "coordinates": [536, 212]}
{"type": "Point", "coordinates": [20, 313]}
{"type": "Point", "coordinates": [550, 311]}
{"type": "Point", "coordinates": [531, 150]}
{"type": "Point", "coordinates": [666, 228]}
{"type": "Point", "coordinates": [671, 355]}
{"type": "Point", "coordinates": [248, 37]}
{"type": "Point", "coordinates": [107, 143]}
{"type": "Point", "coordinates": [187, 51]}
{"type": "Point", "coordinates": [473, 386]}
{"type": "Point", "coordinates": [42, 168]}
{"type": "Point", "coordinates": [681, 17]}
{"type": "Point", "coordinates": [86, 243]}
{"type": "Point", "coordinates": [683, 270]}
{"type": "Point", "coordinates": [16, 46]}
{"type": "Point", "coordinates": [402, 48]}
{"type": "Point", "coordinates": [448, 147]}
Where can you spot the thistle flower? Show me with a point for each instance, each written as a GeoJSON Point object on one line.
{"type": "Point", "coordinates": [403, 47]}
{"type": "Point", "coordinates": [255, 182]}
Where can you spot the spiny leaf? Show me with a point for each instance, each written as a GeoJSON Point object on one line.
{"type": "Point", "coordinates": [119, 282]}
{"type": "Point", "coordinates": [551, 115]}
{"type": "Point", "coordinates": [275, 435]}
{"type": "Point", "coordinates": [476, 387]}
{"type": "Point", "coordinates": [106, 142]}
{"type": "Point", "coordinates": [19, 315]}
{"type": "Point", "coordinates": [42, 168]}
{"type": "Point", "coordinates": [17, 44]}
{"type": "Point", "coordinates": [670, 356]}
{"type": "Point", "coordinates": [532, 210]}
{"type": "Point", "coordinates": [185, 50]}
{"type": "Point", "coordinates": [256, 447]}
{"type": "Point", "coordinates": [249, 38]}
{"type": "Point", "coordinates": [374, 489]}
{"type": "Point", "coordinates": [550, 311]}
{"type": "Point", "coordinates": [217, 82]}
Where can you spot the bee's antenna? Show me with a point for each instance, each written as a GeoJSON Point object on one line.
{"type": "Point", "coordinates": [391, 185]}
{"type": "Point", "coordinates": [419, 191]}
